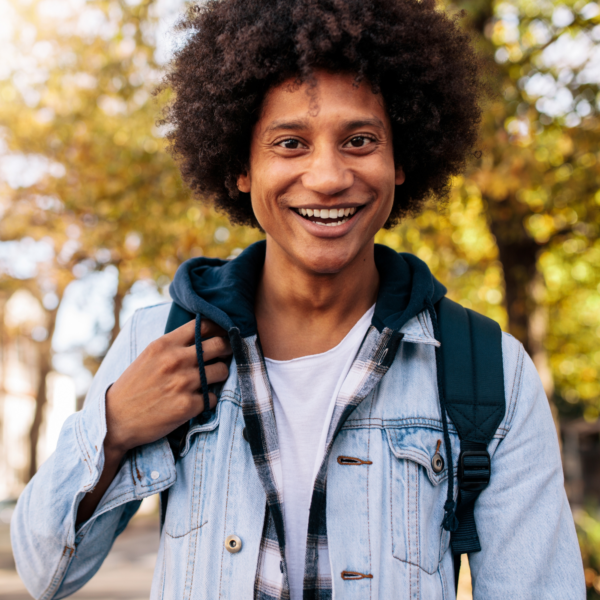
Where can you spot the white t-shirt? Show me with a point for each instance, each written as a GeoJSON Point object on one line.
{"type": "Point", "coordinates": [304, 393]}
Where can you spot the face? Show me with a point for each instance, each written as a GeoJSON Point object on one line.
{"type": "Point", "coordinates": [322, 174]}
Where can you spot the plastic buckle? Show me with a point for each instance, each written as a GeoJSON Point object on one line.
{"type": "Point", "coordinates": [474, 470]}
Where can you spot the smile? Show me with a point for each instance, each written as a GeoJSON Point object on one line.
{"type": "Point", "coordinates": [328, 217]}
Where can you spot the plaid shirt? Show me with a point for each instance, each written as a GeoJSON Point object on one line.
{"type": "Point", "coordinates": [370, 365]}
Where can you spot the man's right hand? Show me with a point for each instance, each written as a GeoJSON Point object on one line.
{"type": "Point", "coordinates": [159, 391]}
{"type": "Point", "coordinates": [161, 388]}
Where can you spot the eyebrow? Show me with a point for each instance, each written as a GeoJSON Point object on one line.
{"type": "Point", "coordinates": [302, 124]}
{"type": "Point", "coordinates": [358, 123]}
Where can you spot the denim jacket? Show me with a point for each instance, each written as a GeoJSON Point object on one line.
{"type": "Point", "coordinates": [383, 516]}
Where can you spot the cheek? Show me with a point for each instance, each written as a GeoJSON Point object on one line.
{"type": "Point", "coordinates": [270, 180]}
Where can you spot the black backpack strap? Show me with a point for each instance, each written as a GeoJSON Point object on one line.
{"type": "Point", "coordinates": [473, 383]}
{"type": "Point", "coordinates": [178, 316]}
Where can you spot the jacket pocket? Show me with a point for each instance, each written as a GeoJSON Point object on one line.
{"type": "Point", "coordinates": [418, 494]}
{"type": "Point", "coordinates": [185, 506]}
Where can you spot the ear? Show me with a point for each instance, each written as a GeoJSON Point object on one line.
{"type": "Point", "coordinates": [400, 176]}
{"type": "Point", "coordinates": [243, 183]}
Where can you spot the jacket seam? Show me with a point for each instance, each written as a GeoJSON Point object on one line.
{"type": "Point", "coordinates": [428, 333]}
{"type": "Point", "coordinates": [421, 324]}
{"type": "Point", "coordinates": [133, 338]}
{"type": "Point", "coordinates": [176, 537]}
{"type": "Point", "coordinates": [368, 512]}
{"type": "Point", "coordinates": [199, 508]}
{"type": "Point", "coordinates": [413, 564]}
{"type": "Point", "coordinates": [82, 447]}
{"type": "Point", "coordinates": [227, 500]}
{"type": "Point", "coordinates": [412, 456]}
{"type": "Point", "coordinates": [57, 577]}
{"type": "Point", "coordinates": [517, 383]}
{"type": "Point", "coordinates": [423, 423]}
{"type": "Point", "coordinates": [443, 581]}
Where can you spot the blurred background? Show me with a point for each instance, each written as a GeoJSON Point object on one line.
{"type": "Point", "coordinates": [94, 221]}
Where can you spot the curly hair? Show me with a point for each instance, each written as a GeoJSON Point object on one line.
{"type": "Point", "coordinates": [415, 55]}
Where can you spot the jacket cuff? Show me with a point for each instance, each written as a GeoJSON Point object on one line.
{"type": "Point", "coordinates": [145, 470]}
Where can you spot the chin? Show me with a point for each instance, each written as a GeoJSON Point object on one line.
{"type": "Point", "coordinates": [326, 261]}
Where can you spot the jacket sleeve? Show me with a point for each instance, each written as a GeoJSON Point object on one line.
{"type": "Point", "coordinates": [529, 547]}
{"type": "Point", "coordinates": [53, 558]}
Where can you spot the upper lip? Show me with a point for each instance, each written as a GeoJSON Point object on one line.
{"type": "Point", "coordinates": [328, 207]}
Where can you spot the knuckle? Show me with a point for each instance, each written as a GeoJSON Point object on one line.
{"type": "Point", "coordinates": [158, 346]}
{"type": "Point", "coordinates": [169, 364]}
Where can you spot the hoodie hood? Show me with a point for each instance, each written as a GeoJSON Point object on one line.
{"type": "Point", "coordinates": [224, 290]}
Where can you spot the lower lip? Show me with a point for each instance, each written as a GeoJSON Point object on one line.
{"type": "Point", "coordinates": [324, 231]}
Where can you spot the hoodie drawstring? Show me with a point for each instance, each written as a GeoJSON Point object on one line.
{"type": "Point", "coordinates": [450, 522]}
{"type": "Point", "coordinates": [204, 384]}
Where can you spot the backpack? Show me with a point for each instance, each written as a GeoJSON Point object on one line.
{"type": "Point", "coordinates": [471, 374]}
{"type": "Point", "coordinates": [472, 379]}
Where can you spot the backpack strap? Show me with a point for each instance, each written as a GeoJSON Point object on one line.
{"type": "Point", "coordinates": [473, 383]}
{"type": "Point", "coordinates": [178, 316]}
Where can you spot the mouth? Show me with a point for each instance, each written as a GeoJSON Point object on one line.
{"type": "Point", "coordinates": [328, 217]}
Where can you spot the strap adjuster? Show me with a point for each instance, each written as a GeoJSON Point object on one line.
{"type": "Point", "coordinates": [474, 470]}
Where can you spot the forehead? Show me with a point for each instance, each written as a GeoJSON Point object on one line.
{"type": "Point", "coordinates": [333, 97]}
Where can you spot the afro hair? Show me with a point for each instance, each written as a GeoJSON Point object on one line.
{"type": "Point", "coordinates": [410, 51]}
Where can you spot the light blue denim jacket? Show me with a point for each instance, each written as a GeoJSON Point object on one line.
{"type": "Point", "coordinates": [384, 519]}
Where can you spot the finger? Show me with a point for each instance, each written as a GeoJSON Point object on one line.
{"type": "Point", "coordinates": [210, 329]}
{"type": "Point", "coordinates": [216, 347]}
{"type": "Point", "coordinates": [186, 334]}
{"type": "Point", "coordinates": [216, 373]}
{"type": "Point", "coordinates": [182, 336]}
{"type": "Point", "coordinates": [199, 403]}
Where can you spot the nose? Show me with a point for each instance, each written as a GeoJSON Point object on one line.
{"type": "Point", "coordinates": [327, 174]}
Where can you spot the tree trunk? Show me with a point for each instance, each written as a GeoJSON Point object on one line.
{"type": "Point", "coordinates": [41, 398]}
{"type": "Point", "coordinates": [524, 291]}
{"type": "Point", "coordinates": [117, 307]}
{"type": "Point", "coordinates": [518, 255]}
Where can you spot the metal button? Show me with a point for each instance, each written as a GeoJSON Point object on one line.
{"type": "Point", "coordinates": [245, 433]}
{"type": "Point", "coordinates": [155, 475]}
{"type": "Point", "coordinates": [437, 463]}
{"type": "Point", "coordinates": [233, 544]}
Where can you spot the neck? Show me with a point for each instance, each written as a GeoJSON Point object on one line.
{"type": "Point", "coordinates": [301, 312]}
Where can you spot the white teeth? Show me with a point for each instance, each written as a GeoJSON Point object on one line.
{"type": "Point", "coordinates": [325, 213]}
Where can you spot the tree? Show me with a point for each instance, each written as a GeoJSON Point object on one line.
{"type": "Point", "coordinates": [106, 193]}
{"type": "Point", "coordinates": [538, 177]}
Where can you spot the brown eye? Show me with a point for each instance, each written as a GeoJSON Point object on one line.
{"type": "Point", "coordinates": [360, 141]}
{"type": "Point", "coordinates": [291, 144]}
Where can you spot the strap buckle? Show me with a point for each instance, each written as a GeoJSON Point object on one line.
{"type": "Point", "coordinates": [474, 470]}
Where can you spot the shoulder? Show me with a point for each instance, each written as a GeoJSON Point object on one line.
{"type": "Point", "coordinates": [522, 385]}
{"type": "Point", "coordinates": [148, 324]}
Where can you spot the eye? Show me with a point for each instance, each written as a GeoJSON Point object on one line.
{"type": "Point", "coordinates": [290, 144]}
{"type": "Point", "coordinates": [360, 141]}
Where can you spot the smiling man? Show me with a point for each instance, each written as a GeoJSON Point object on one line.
{"type": "Point", "coordinates": [300, 415]}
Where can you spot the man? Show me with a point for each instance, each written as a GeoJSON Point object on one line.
{"type": "Point", "coordinates": [317, 464]}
